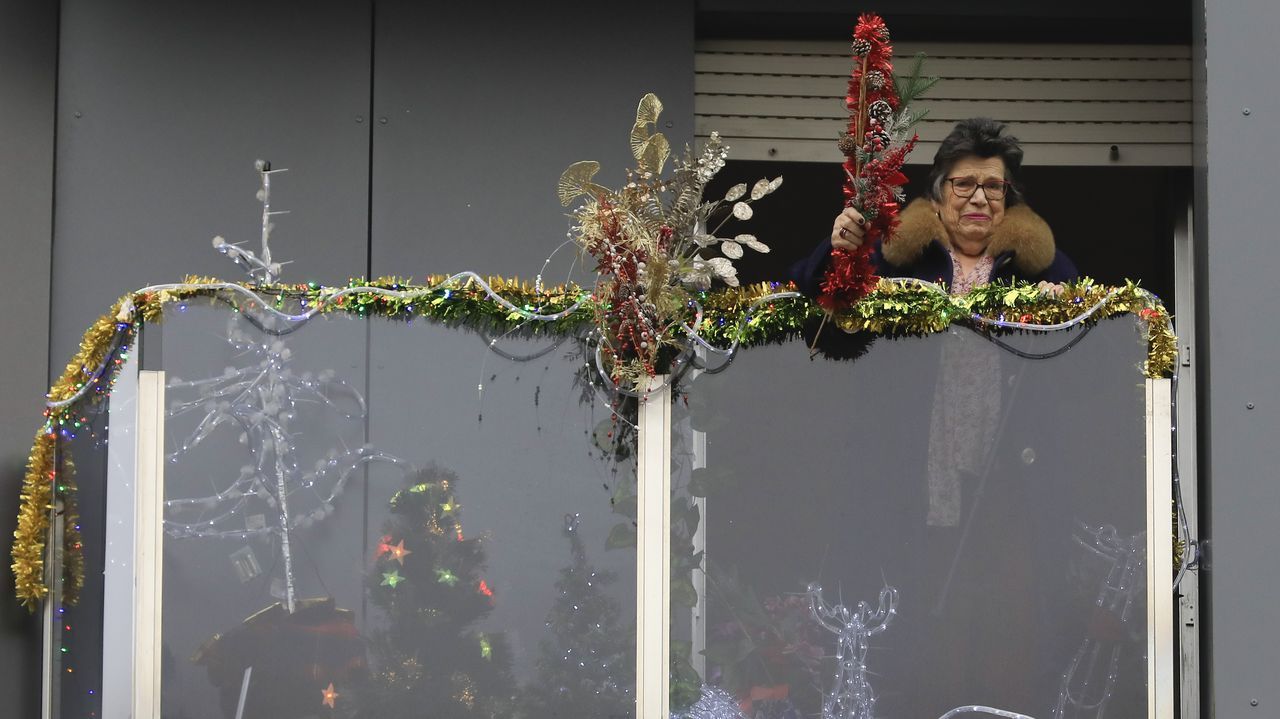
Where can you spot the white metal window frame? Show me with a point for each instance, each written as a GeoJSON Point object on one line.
{"type": "Point", "coordinates": [1188, 594]}
{"type": "Point", "coordinates": [133, 563]}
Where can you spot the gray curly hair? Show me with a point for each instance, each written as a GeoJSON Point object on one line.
{"type": "Point", "coordinates": [980, 137]}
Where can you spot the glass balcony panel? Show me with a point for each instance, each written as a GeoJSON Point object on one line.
{"type": "Point", "coordinates": [451, 538]}
{"type": "Point", "coordinates": [973, 514]}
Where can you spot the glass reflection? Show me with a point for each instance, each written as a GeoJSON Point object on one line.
{"type": "Point", "coordinates": [949, 473]}
{"type": "Point", "coordinates": [440, 546]}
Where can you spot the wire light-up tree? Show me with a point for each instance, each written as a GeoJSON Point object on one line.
{"type": "Point", "coordinates": [262, 398]}
{"type": "Point", "coordinates": [586, 664]}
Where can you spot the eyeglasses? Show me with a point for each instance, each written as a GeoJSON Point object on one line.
{"type": "Point", "coordinates": [966, 187]}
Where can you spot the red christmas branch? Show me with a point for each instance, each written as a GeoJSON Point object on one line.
{"type": "Point", "coordinates": [873, 163]}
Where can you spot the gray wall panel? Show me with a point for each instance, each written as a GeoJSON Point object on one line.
{"type": "Point", "coordinates": [28, 67]}
{"type": "Point", "coordinates": [485, 106]}
{"type": "Point", "coordinates": [1236, 190]}
{"type": "Point", "coordinates": [163, 109]}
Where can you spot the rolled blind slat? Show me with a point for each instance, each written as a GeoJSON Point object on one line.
{"type": "Point", "coordinates": [1069, 104]}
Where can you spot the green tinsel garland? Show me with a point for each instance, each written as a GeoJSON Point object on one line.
{"type": "Point", "coordinates": [741, 315]}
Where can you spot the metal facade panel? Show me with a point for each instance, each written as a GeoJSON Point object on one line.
{"type": "Point", "coordinates": [479, 125]}
{"type": "Point", "coordinates": [163, 110]}
{"type": "Point", "coordinates": [28, 62]}
{"type": "Point", "coordinates": [1237, 257]}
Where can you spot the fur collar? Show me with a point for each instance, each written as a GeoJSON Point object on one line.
{"type": "Point", "coordinates": [1022, 232]}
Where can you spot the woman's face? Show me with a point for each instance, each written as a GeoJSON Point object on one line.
{"type": "Point", "coordinates": [971, 221]}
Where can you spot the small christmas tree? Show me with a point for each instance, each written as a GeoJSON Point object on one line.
{"type": "Point", "coordinates": [587, 667]}
{"type": "Point", "coordinates": [429, 660]}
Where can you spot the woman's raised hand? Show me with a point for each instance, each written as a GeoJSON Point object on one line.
{"type": "Point", "coordinates": [848, 230]}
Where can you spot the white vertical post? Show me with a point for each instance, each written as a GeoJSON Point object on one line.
{"type": "Point", "coordinates": [1160, 632]}
{"type": "Point", "coordinates": [698, 614]}
{"type": "Point", "coordinates": [698, 619]}
{"type": "Point", "coordinates": [148, 545]}
{"type": "Point", "coordinates": [653, 552]}
{"type": "Point", "coordinates": [46, 676]}
{"type": "Point", "coordinates": [52, 620]}
{"type": "Point", "coordinates": [118, 585]}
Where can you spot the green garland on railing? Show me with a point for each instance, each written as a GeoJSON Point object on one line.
{"type": "Point", "coordinates": [749, 316]}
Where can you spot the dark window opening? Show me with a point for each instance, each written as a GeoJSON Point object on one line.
{"type": "Point", "coordinates": [1116, 223]}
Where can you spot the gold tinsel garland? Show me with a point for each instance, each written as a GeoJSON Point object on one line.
{"type": "Point", "coordinates": [33, 522]}
{"type": "Point", "coordinates": [741, 315]}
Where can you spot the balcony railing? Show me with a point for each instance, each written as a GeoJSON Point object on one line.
{"type": "Point", "coordinates": [358, 518]}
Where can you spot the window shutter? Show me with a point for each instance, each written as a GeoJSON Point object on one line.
{"type": "Point", "coordinates": [1069, 104]}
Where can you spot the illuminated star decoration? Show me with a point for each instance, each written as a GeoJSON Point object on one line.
{"type": "Point", "coordinates": [398, 552]}
{"type": "Point", "coordinates": [392, 578]}
{"type": "Point", "coordinates": [448, 507]}
{"type": "Point", "coordinates": [486, 647]}
{"type": "Point", "coordinates": [484, 589]}
{"type": "Point", "coordinates": [444, 576]}
{"type": "Point", "coordinates": [329, 695]}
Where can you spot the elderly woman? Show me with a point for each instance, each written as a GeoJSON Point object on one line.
{"type": "Point", "coordinates": [971, 229]}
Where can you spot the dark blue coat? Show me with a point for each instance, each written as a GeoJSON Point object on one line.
{"type": "Point", "coordinates": [1023, 247]}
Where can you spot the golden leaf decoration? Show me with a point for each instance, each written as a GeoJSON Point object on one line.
{"type": "Point", "coordinates": [653, 153]}
{"type": "Point", "coordinates": [647, 113]}
{"type": "Point", "coordinates": [639, 135]}
{"type": "Point", "coordinates": [649, 109]}
{"type": "Point", "coordinates": [576, 181]}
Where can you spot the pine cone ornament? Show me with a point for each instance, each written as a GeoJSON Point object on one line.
{"type": "Point", "coordinates": [878, 140]}
{"type": "Point", "coordinates": [881, 111]}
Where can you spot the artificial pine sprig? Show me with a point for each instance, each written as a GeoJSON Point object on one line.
{"type": "Point", "coordinates": [911, 86]}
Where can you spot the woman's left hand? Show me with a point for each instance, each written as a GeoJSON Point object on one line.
{"type": "Point", "coordinates": [1051, 289]}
